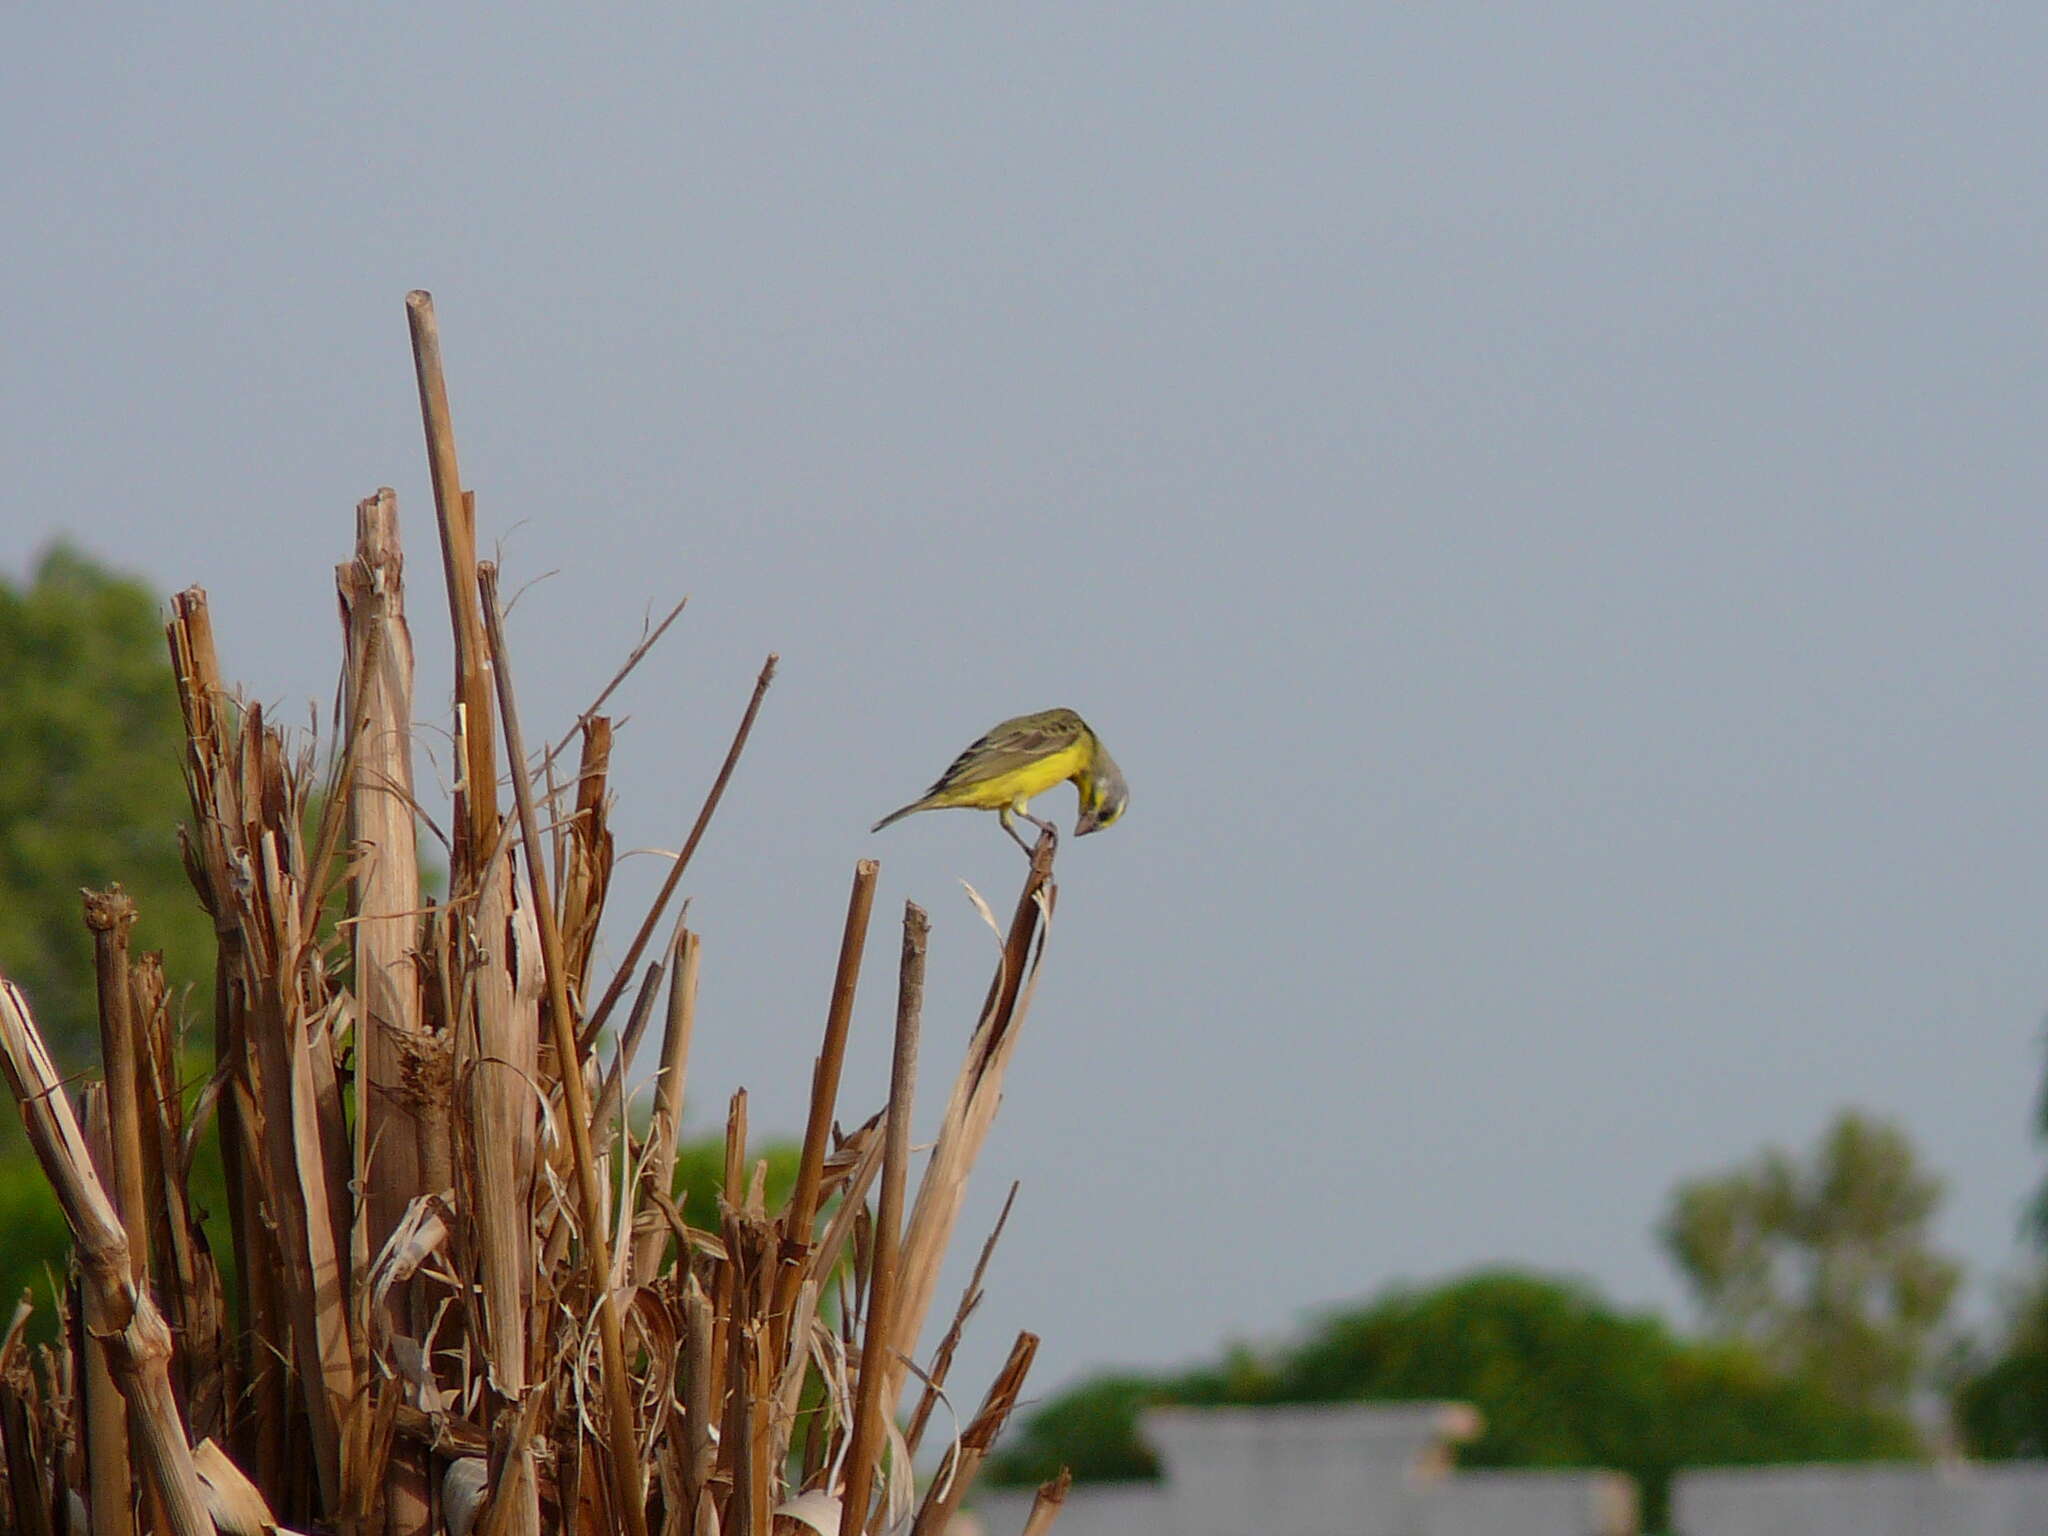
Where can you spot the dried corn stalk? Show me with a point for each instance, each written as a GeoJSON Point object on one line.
{"type": "Point", "coordinates": [466, 1296]}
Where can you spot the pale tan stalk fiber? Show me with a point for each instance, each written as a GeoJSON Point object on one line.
{"type": "Point", "coordinates": [751, 1508]}
{"type": "Point", "coordinates": [864, 1149]}
{"type": "Point", "coordinates": [330, 1121]}
{"type": "Point", "coordinates": [457, 517]}
{"type": "Point", "coordinates": [611, 1092]}
{"type": "Point", "coordinates": [384, 883]}
{"type": "Point", "coordinates": [790, 1374]}
{"type": "Point", "coordinates": [669, 1082]}
{"type": "Point", "coordinates": [202, 698]}
{"type": "Point", "coordinates": [610, 1099]}
{"type": "Point", "coordinates": [513, 1450]}
{"type": "Point", "coordinates": [187, 1285]}
{"type": "Point", "coordinates": [116, 1310]}
{"type": "Point", "coordinates": [498, 1057]}
{"type": "Point", "coordinates": [267, 910]}
{"type": "Point", "coordinates": [321, 1159]}
{"type": "Point", "coordinates": [384, 903]}
{"type": "Point", "coordinates": [211, 745]}
{"type": "Point", "coordinates": [623, 1441]}
{"type": "Point", "coordinates": [236, 1504]}
{"type": "Point", "coordinates": [859, 1162]}
{"type": "Point", "coordinates": [729, 1300]}
{"type": "Point", "coordinates": [977, 1094]}
{"type": "Point", "coordinates": [699, 1414]}
{"type": "Point", "coordinates": [587, 872]}
{"type": "Point", "coordinates": [501, 1065]}
{"type": "Point", "coordinates": [248, 864]}
{"type": "Point", "coordinates": [441, 1013]}
{"type": "Point", "coordinates": [881, 1339]}
{"type": "Point", "coordinates": [736, 1149]}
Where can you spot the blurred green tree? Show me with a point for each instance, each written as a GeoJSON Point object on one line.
{"type": "Point", "coordinates": [91, 788]}
{"type": "Point", "coordinates": [1561, 1378]}
{"type": "Point", "coordinates": [1825, 1266]}
{"type": "Point", "coordinates": [91, 792]}
{"type": "Point", "coordinates": [1999, 1399]}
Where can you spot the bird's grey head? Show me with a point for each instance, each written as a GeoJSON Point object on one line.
{"type": "Point", "coordinates": [1104, 794]}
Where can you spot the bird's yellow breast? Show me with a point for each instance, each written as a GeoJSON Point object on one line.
{"type": "Point", "coordinates": [1019, 784]}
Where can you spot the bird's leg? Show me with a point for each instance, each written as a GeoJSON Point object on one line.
{"type": "Point", "coordinates": [1047, 828]}
{"type": "Point", "coordinates": [1010, 826]}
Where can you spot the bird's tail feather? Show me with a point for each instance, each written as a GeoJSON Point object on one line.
{"type": "Point", "coordinates": [915, 805]}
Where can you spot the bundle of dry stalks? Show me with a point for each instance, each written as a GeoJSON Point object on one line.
{"type": "Point", "coordinates": [464, 1293]}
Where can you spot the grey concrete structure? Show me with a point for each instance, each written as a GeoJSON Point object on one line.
{"type": "Point", "coordinates": [1383, 1469]}
{"type": "Point", "coordinates": [1378, 1469]}
{"type": "Point", "coordinates": [1955, 1499]}
{"type": "Point", "coordinates": [1343, 1470]}
{"type": "Point", "coordinates": [1550, 1502]}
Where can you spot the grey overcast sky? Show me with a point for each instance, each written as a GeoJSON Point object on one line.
{"type": "Point", "coordinates": [1544, 501]}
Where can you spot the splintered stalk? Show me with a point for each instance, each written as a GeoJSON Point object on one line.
{"type": "Point", "coordinates": [942, 1357]}
{"type": "Point", "coordinates": [878, 1347]}
{"type": "Point", "coordinates": [668, 1092]}
{"type": "Point", "coordinates": [117, 1311]}
{"type": "Point", "coordinates": [977, 1093]}
{"type": "Point", "coordinates": [963, 1462]}
{"type": "Point", "coordinates": [625, 1461]}
{"type": "Point", "coordinates": [803, 1200]}
{"type": "Point", "coordinates": [1046, 1506]}
{"type": "Point", "coordinates": [110, 914]}
{"type": "Point", "coordinates": [457, 515]}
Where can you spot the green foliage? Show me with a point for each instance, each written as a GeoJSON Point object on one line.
{"type": "Point", "coordinates": [2000, 1403]}
{"type": "Point", "coordinates": [37, 1239]}
{"type": "Point", "coordinates": [700, 1176]}
{"type": "Point", "coordinates": [91, 790]}
{"type": "Point", "coordinates": [2035, 1222]}
{"type": "Point", "coordinates": [1728, 1407]}
{"type": "Point", "coordinates": [1560, 1377]}
{"type": "Point", "coordinates": [1091, 1429]}
{"type": "Point", "coordinates": [38, 1242]}
{"type": "Point", "coordinates": [1826, 1266]}
{"type": "Point", "coordinates": [2000, 1397]}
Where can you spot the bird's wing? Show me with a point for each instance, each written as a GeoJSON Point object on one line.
{"type": "Point", "coordinates": [1012, 745]}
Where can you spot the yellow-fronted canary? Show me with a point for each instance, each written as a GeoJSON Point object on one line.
{"type": "Point", "coordinates": [1025, 757]}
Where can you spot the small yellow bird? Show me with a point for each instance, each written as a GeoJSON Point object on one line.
{"type": "Point", "coordinates": [1025, 757]}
